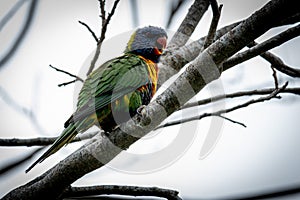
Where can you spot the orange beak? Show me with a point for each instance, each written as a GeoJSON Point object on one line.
{"type": "Point", "coordinates": [161, 45]}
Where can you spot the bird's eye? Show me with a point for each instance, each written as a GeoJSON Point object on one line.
{"type": "Point", "coordinates": [150, 35]}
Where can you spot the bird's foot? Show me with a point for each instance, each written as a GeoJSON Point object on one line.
{"type": "Point", "coordinates": [141, 111]}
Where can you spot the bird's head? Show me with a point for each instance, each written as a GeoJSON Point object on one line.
{"type": "Point", "coordinates": [148, 42]}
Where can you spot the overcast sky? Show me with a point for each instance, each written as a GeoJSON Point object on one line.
{"type": "Point", "coordinates": [263, 156]}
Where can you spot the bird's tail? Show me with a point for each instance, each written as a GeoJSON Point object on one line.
{"type": "Point", "coordinates": [67, 135]}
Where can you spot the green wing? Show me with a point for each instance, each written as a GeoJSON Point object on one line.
{"type": "Point", "coordinates": [109, 82]}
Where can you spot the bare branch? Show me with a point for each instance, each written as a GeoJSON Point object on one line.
{"type": "Point", "coordinates": [121, 190]}
{"type": "Point", "coordinates": [274, 94]}
{"type": "Point", "coordinates": [231, 120]}
{"type": "Point", "coordinates": [18, 162]}
{"type": "Point", "coordinates": [67, 83]}
{"type": "Point", "coordinates": [11, 13]}
{"type": "Point", "coordinates": [260, 48]}
{"type": "Point", "coordinates": [90, 30]}
{"type": "Point", "coordinates": [21, 109]}
{"type": "Point", "coordinates": [189, 24]}
{"type": "Point", "coordinates": [68, 73]}
{"type": "Point", "coordinates": [22, 34]}
{"type": "Point", "coordinates": [174, 9]}
{"type": "Point", "coordinates": [105, 22]}
{"type": "Point", "coordinates": [214, 23]}
{"type": "Point", "coordinates": [277, 63]}
{"type": "Point", "coordinates": [41, 141]}
{"type": "Point", "coordinates": [275, 77]}
{"type": "Point", "coordinates": [295, 91]}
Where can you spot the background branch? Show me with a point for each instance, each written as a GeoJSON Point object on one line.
{"type": "Point", "coordinates": [14, 164]}
{"type": "Point", "coordinates": [41, 141]}
{"type": "Point", "coordinates": [22, 34]}
{"type": "Point", "coordinates": [121, 190]}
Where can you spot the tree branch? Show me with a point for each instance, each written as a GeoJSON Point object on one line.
{"type": "Point", "coordinates": [11, 13]}
{"type": "Point", "coordinates": [172, 61]}
{"type": "Point", "coordinates": [174, 9]}
{"type": "Point", "coordinates": [105, 22]}
{"type": "Point", "coordinates": [21, 109]}
{"type": "Point", "coordinates": [261, 48]}
{"type": "Point", "coordinates": [189, 24]}
{"type": "Point", "coordinates": [90, 30]}
{"type": "Point", "coordinates": [22, 34]}
{"type": "Point", "coordinates": [274, 94]}
{"type": "Point", "coordinates": [121, 190]}
{"type": "Point", "coordinates": [41, 141]}
{"type": "Point", "coordinates": [198, 74]}
{"type": "Point", "coordinates": [16, 163]}
{"type": "Point", "coordinates": [278, 64]}
{"type": "Point", "coordinates": [214, 23]}
{"type": "Point", "coordinates": [295, 91]}
{"type": "Point", "coordinates": [68, 73]}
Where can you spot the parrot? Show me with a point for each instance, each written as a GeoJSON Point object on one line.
{"type": "Point", "coordinates": [115, 91]}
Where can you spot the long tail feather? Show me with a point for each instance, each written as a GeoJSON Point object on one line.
{"type": "Point", "coordinates": [67, 135]}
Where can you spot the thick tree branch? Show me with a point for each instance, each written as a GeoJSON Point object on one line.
{"type": "Point", "coordinates": [200, 72]}
{"type": "Point", "coordinates": [174, 60]}
{"type": "Point", "coordinates": [261, 48]}
{"type": "Point", "coordinates": [121, 190]}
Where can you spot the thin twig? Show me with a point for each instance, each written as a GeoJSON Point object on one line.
{"type": "Point", "coordinates": [90, 30]}
{"type": "Point", "coordinates": [18, 162]}
{"type": "Point", "coordinates": [263, 47]}
{"type": "Point", "coordinates": [68, 73]}
{"type": "Point", "coordinates": [231, 120]}
{"type": "Point", "coordinates": [121, 190]}
{"type": "Point", "coordinates": [105, 22]}
{"type": "Point", "coordinates": [22, 34]}
{"type": "Point", "coordinates": [274, 74]}
{"type": "Point", "coordinates": [274, 94]}
{"type": "Point", "coordinates": [66, 83]}
{"type": "Point", "coordinates": [40, 141]}
{"type": "Point", "coordinates": [214, 23]}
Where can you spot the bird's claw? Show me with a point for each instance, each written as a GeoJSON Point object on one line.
{"type": "Point", "coordinates": [140, 111]}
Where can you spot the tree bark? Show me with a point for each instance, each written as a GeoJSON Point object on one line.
{"type": "Point", "coordinates": [201, 71]}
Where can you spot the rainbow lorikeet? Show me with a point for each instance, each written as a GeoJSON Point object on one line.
{"type": "Point", "coordinates": [112, 93]}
